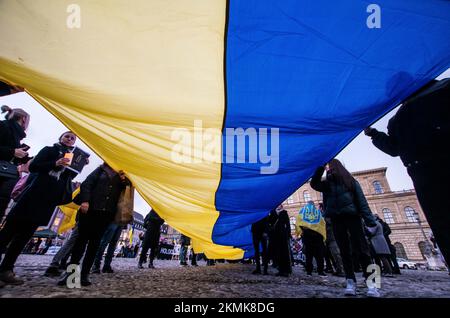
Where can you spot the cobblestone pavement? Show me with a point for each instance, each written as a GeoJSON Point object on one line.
{"type": "Point", "coordinates": [224, 280]}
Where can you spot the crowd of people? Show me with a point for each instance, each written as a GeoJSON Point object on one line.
{"type": "Point", "coordinates": [340, 236]}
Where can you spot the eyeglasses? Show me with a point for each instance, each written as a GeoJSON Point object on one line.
{"type": "Point", "coordinates": [70, 137]}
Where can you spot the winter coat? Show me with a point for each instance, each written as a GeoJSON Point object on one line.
{"type": "Point", "coordinates": [261, 227]}
{"type": "Point", "coordinates": [339, 201]}
{"type": "Point", "coordinates": [185, 240]}
{"type": "Point", "coordinates": [10, 136]}
{"type": "Point", "coordinates": [44, 192]}
{"type": "Point", "coordinates": [377, 239]}
{"type": "Point", "coordinates": [281, 238]}
{"type": "Point", "coordinates": [152, 223]}
{"type": "Point", "coordinates": [102, 190]}
{"type": "Point", "coordinates": [419, 129]}
{"type": "Point", "coordinates": [386, 231]}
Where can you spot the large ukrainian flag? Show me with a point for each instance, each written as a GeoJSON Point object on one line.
{"type": "Point", "coordinates": [135, 71]}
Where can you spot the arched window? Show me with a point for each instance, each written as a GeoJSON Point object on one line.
{"type": "Point", "coordinates": [306, 196]}
{"type": "Point", "coordinates": [388, 216]}
{"type": "Point", "coordinates": [425, 248]}
{"type": "Point", "coordinates": [410, 214]}
{"type": "Point", "coordinates": [378, 188]}
{"type": "Point", "coordinates": [400, 250]}
{"type": "Point", "coordinates": [290, 200]}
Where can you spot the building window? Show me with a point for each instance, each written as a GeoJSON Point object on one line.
{"type": "Point", "coordinates": [57, 221]}
{"type": "Point", "coordinates": [378, 188]}
{"type": "Point", "coordinates": [410, 214]}
{"type": "Point", "coordinates": [290, 200]}
{"type": "Point", "coordinates": [306, 196]}
{"type": "Point", "coordinates": [388, 216]}
{"type": "Point", "coordinates": [400, 250]}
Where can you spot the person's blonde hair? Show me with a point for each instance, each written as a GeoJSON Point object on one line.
{"type": "Point", "coordinates": [15, 114]}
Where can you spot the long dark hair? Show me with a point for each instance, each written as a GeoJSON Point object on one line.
{"type": "Point", "coordinates": [341, 175]}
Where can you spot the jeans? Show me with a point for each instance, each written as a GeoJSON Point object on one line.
{"type": "Point", "coordinates": [110, 239]}
{"type": "Point", "coordinates": [258, 241]}
{"type": "Point", "coordinates": [65, 250]}
{"type": "Point", "coordinates": [91, 227]}
{"type": "Point", "coordinates": [350, 237]}
{"type": "Point", "coordinates": [314, 248]}
{"type": "Point", "coordinates": [183, 253]}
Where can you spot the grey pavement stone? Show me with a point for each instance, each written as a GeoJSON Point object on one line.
{"type": "Point", "coordinates": [224, 280]}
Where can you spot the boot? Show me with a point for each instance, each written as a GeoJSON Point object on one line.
{"type": "Point", "coordinates": [140, 265]}
{"type": "Point", "coordinates": [9, 278]}
{"type": "Point", "coordinates": [95, 269]}
{"type": "Point", "coordinates": [107, 269]}
{"type": "Point", "coordinates": [257, 271]}
{"type": "Point", "coordinates": [84, 280]}
{"type": "Point", "coordinates": [52, 271]}
{"type": "Point", "coordinates": [63, 280]}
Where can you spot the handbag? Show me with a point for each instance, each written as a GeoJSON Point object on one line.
{"type": "Point", "coordinates": [8, 170]}
{"type": "Point", "coordinates": [125, 206]}
{"type": "Point", "coordinates": [19, 187]}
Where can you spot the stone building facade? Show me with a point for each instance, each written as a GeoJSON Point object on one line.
{"type": "Point", "coordinates": [400, 209]}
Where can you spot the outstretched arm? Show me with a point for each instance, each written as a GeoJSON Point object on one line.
{"type": "Point", "coordinates": [383, 141]}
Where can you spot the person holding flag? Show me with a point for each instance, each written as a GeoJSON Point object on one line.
{"type": "Point", "coordinates": [152, 224]}
{"type": "Point", "coordinates": [312, 227]}
{"type": "Point", "coordinates": [98, 199]}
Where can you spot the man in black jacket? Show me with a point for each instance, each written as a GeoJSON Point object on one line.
{"type": "Point", "coordinates": [185, 241]}
{"type": "Point", "coordinates": [152, 223]}
{"type": "Point", "coordinates": [99, 195]}
{"type": "Point", "coordinates": [420, 133]}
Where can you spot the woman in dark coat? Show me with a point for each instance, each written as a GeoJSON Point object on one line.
{"type": "Point", "coordinates": [152, 223]}
{"type": "Point", "coordinates": [98, 198]}
{"type": "Point", "coordinates": [12, 131]}
{"type": "Point", "coordinates": [380, 248]}
{"type": "Point", "coordinates": [282, 246]}
{"type": "Point", "coordinates": [48, 186]}
{"type": "Point", "coordinates": [346, 206]}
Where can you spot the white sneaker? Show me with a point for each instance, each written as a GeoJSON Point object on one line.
{"type": "Point", "coordinates": [373, 292]}
{"type": "Point", "coordinates": [350, 290]}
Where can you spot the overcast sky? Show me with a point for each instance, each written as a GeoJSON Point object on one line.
{"type": "Point", "coordinates": [359, 155]}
